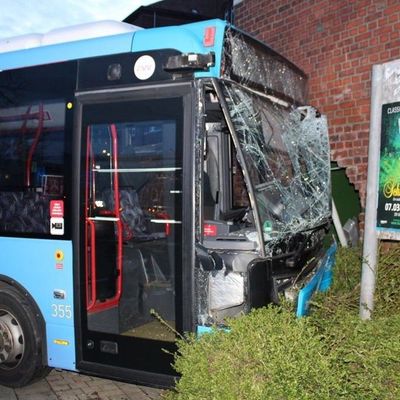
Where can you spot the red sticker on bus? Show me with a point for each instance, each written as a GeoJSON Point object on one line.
{"type": "Point", "coordinates": [56, 208]}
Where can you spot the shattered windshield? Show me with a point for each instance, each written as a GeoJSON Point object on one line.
{"type": "Point", "coordinates": [287, 159]}
{"type": "Point", "coordinates": [257, 66]}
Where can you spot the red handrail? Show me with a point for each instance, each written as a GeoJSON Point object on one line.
{"type": "Point", "coordinates": [91, 267]}
{"type": "Point", "coordinates": [33, 146]}
{"type": "Point", "coordinates": [25, 118]}
{"type": "Point", "coordinates": [117, 210]}
{"type": "Point", "coordinates": [90, 263]}
{"type": "Point", "coordinates": [92, 304]}
{"type": "Point", "coordinates": [165, 215]}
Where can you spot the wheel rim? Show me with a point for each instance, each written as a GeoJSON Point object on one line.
{"type": "Point", "coordinates": [11, 340]}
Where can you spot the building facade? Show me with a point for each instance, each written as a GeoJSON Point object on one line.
{"type": "Point", "coordinates": [335, 43]}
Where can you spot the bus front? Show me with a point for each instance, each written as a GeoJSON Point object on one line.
{"type": "Point", "coordinates": [264, 169]}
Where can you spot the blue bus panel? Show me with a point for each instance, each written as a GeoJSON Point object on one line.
{"type": "Point", "coordinates": [44, 268]}
{"type": "Point", "coordinates": [188, 39]}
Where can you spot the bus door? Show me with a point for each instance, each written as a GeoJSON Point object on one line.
{"type": "Point", "coordinates": [133, 288]}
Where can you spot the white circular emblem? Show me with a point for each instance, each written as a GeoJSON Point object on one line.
{"type": "Point", "coordinates": [144, 67]}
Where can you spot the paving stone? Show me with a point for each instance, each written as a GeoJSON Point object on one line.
{"type": "Point", "coordinates": [7, 393]}
{"type": "Point", "coordinates": [86, 388]}
{"type": "Point", "coordinates": [37, 387]}
{"type": "Point", "coordinates": [63, 385]}
{"type": "Point", "coordinates": [137, 396]}
{"type": "Point", "coordinates": [38, 396]}
{"type": "Point", "coordinates": [60, 386]}
{"type": "Point", "coordinates": [38, 391]}
{"type": "Point", "coordinates": [72, 392]}
{"type": "Point", "coordinates": [152, 393]}
{"type": "Point", "coordinates": [66, 396]}
{"type": "Point", "coordinates": [54, 377]}
{"type": "Point", "coordinates": [86, 396]}
{"type": "Point", "coordinates": [131, 390]}
{"type": "Point", "coordinates": [89, 397]}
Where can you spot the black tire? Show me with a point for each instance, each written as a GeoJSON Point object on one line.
{"type": "Point", "coordinates": [20, 356]}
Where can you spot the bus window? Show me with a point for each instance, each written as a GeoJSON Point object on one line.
{"type": "Point", "coordinates": [240, 195]}
{"type": "Point", "coordinates": [225, 195]}
{"type": "Point", "coordinates": [287, 159]}
{"type": "Point", "coordinates": [133, 220]}
{"type": "Point", "coordinates": [31, 165]}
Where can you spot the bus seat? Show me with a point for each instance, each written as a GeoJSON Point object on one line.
{"type": "Point", "coordinates": [24, 212]}
{"type": "Point", "coordinates": [132, 214]}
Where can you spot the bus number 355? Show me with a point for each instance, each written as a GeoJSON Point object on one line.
{"type": "Point", "coordinates": [61, 311]}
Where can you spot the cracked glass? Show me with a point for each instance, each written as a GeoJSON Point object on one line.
{"type": "Point", "coordinates": [255, 65]}
{"type": "Point", "coordinates": [286, 154]}
{"type": "Point", "coordinates": [280, 152]}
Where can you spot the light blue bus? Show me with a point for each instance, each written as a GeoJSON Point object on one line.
{"type": "Point", "coordinates": [152, 182]}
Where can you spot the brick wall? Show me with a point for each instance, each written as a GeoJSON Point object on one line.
{"type": "Point", "coordinates": [335, 42]}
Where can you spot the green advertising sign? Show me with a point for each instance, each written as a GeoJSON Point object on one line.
{"type": "Point", "coordinates": [388, 217]}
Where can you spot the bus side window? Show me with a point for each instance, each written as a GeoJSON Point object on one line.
{"type": "Point", "coordinates": [31, 165]}
{"type": "Point", "coordinates": [240, 196]}
{"type": "Point", "coordinates": [225, 197]}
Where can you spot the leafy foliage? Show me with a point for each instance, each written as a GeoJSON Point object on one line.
{"type": "Point", "coordinates": [258, 359]}
{"type": "Point", "coordinates": [332, 354]}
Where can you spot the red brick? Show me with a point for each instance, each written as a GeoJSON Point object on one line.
{"type": "Point", "coordinates": [337, 59]}
{"type": "Point", "coordinates": [392, 9]}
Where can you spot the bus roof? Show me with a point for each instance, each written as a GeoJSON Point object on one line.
{"type": "Point", "coordinates": [188, 38]}
{"type": "Point", "coordinates": [244, 59]}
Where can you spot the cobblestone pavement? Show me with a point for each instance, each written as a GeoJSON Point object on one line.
{"type": "Point", "coordinates": [62, 385]}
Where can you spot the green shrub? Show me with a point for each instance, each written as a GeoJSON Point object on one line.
{"type": "Point", "coordinates": [387, 294]}
{"type": "Point", "coordinates": [260, 358]}
{"type": "Point", "coordinates": [364, 356]}
{"type": "Point", "coordinates": [366, 353]}
{"type": "Point", "coordinates": [269, 354]}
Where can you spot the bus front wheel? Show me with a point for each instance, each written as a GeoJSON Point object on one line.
{"type": "Point", "coordinates": [20, 340]}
